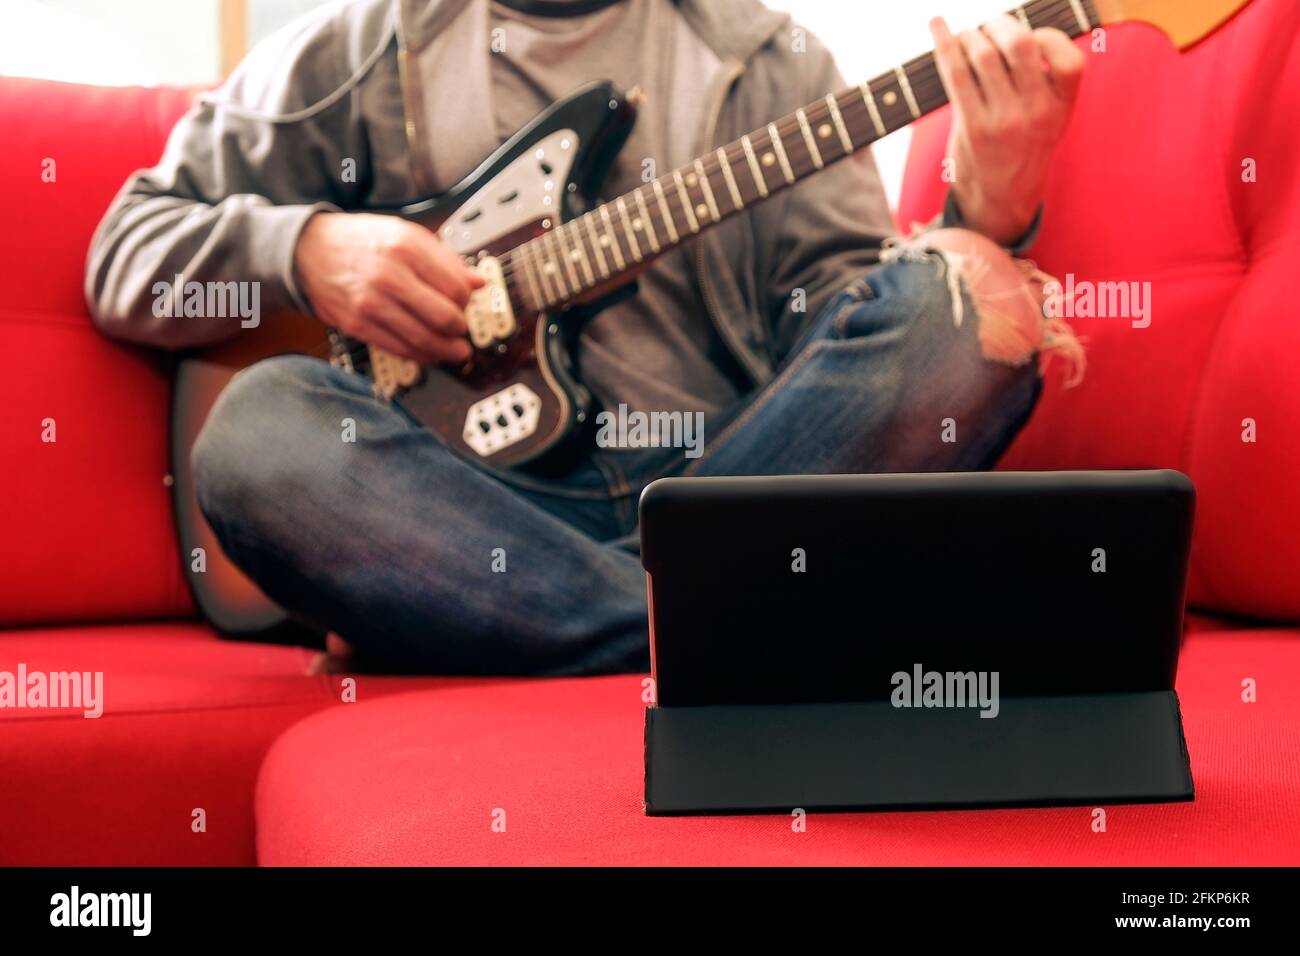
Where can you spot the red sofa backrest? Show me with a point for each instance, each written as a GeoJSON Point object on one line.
{"type": "Point", "coordinates": [1149, 186]}
{"type": "Point", "coordinates": [87, 520]}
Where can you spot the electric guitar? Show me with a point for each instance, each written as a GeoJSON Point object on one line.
{"type": "Point", "coordinates": [527, 219]}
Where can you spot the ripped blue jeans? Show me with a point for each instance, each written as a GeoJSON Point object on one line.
{"type": "Point", "coordinates": [426, 562]}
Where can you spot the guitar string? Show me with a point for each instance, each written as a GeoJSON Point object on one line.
{"type": "Point", "coordinates": [923, 77]}
{"type": "Point", "coordinates": [926, 83]}
{"type": "Point", "coordinates": [534, 253]}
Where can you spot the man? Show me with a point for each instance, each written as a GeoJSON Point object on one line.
{"type": "Point", "coordinates": [807, 354]}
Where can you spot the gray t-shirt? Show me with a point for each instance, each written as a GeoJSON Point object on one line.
{"type": "Point", "coordinates": [656, 351]}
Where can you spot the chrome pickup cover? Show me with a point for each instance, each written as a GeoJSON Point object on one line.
{"type": "Point", "coordinates": [503, 419]}
{"type": "Point", "coordinates": [489, 314]}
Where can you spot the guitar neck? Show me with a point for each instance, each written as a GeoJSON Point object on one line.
{"type": "Point", "coordinates": [612, 242]}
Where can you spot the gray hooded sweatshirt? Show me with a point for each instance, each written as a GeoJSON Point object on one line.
{"type": "Point", "coordinates": [250, 163]}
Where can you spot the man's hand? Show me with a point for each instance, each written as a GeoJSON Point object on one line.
{"type": "Point", "coordinates": [1012, 92]}
{"type": "Point", "coordinates": [387, 282]}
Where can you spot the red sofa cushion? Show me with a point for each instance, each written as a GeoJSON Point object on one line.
{"type": "Point", "coordinates": [415, 779]}
{"type": "Point", "coordinates": [1148, 187]}
{"type": "Point", "coordinates": [88, 519]}
{"type": "Point", "coordinates": [187, 718]}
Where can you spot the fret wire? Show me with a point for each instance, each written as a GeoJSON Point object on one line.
{"type": "Point", "coordinates": [535, 251]}
{"type": "Point", "coordinates": [754, 168]}
{"type": "Point", "coordinates": [686, 202]}
{"type": "Point", "coordinates": [859, 124]}
{"type": "Point", "coordinates": [574, 230]}
{"type": "Point", "coordinates": [532, 256]}
{"type": "Point", "coordinates": [672, 210]}
{"type": "Point", "coordinates": [798, 156]}
{"type": "Point", "coordinates": [562, 266]}
{"type": "Point", "coordinates": [557, 236]}
{"type": "Point", "coordinates": [668, 215]}
{"type": "Point", "coordinates": [1061, 14]}
{"type": "Point", "coordinates": [894, 111]}
{"type": "Point", "coordinates": [839, 119]}
{"type": "Point", "coordinates": [1090, 7]}
{"type": "Point", "coordinates": [532, 281]}
{"type": "Point", "coordinates": [545, 273]}
{"type": "Point", "coordinates": [1084, 24]}
{"type": "Point", "coordinates": [511, 270]}
{"type": "Point", "coordinates": [905, 85]}
{"type": "Point", "coordinates": [788, 148]}
{"type": "Point", "coordinates": [707, 190]}
{"type": "Point", "coordinates": [813, 152]}
{"type": "Point", "coordinates": [627, 230]}
{"type": "Point", "coordinates": [834, 107]}
{"type": "Point", "coordinates": [1034, 18]}
{"type": "Point", "coordinates": [725, 165]}
{"type": "Point", "coordinates": [856, 111]}
{"type": "Point", "coordinates": [1058, 13]}
{"type": "Point", "coordinates": [775, 139]}
{"type": "Point", "coordinates": [869, 99]}
{"type": "Point", "coordinates": [649, 226]}
{"type": "Point", "coordinates": [601, 264]}
{"type": "Point", "coordinates": [558, 258]}
{"type": "Point", "coordinates": [532, 268]}
{"type": "Point", "coordinates": [678, 195]}
{"type": "Point", "coordinates": [612, 236]}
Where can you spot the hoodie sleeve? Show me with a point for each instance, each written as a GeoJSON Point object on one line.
{"type": "Point", "coordinates": [241, 174]}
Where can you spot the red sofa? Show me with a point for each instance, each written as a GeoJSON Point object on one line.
{"type": "Point", "coordinates": [1148, 188]}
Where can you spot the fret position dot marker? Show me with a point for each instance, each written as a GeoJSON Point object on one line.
{"type": "Point", "coordinates": [890, 98]}
{"type": "Point", "coordinates": [692, 180]}
{"type": "Point", "coordinates": [824, 131]}
{"type": "Point", "coordinates": [769, 159]}
{"type": "Point", "coordinates": [701, 211]}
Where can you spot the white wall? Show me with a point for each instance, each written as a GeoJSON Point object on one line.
{"type": "Point", "coordinates": [113, 42]}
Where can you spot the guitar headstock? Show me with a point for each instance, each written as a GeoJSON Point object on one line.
{"type": "Point", "coordinates": [1185, 22]}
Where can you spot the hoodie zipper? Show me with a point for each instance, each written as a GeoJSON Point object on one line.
{"type": "Point", "coordinates": [419, 174]}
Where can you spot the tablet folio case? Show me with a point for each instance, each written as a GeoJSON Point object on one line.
{"type": "Point", "coordinates": [781, 689]}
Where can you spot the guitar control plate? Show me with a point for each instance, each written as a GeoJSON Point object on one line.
{"type": "Point", "coordinates": [526, 191]}
{"type": "Point", "coordinates": [502, 419]}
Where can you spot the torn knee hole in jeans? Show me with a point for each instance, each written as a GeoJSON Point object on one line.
{"type": "Point", "coordinates": [1016, 321]}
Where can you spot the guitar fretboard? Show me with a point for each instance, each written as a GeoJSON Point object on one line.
{"type": "Point", "coordinates": [621, 236]}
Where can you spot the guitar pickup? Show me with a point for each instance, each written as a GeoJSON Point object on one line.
{"type": "Point", "coordinates": [502, 419]}
{"type": "Point", "coordinates": [489, 314]}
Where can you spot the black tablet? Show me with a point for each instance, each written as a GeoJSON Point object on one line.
{"type": "Point", "coordinates": [929, 600]}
